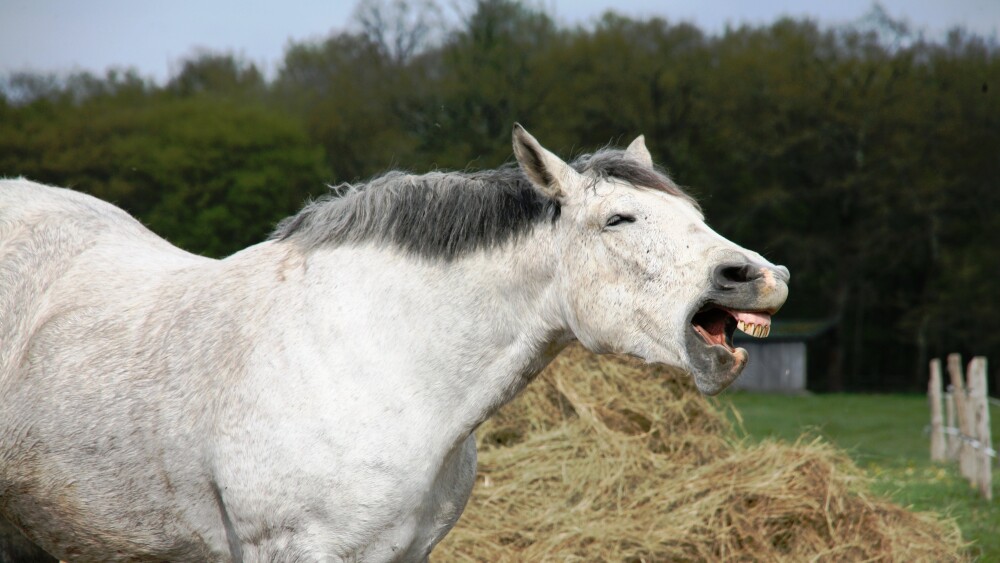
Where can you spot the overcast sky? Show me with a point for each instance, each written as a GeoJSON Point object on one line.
{"type": "Point", "coordinates": [93, 35]}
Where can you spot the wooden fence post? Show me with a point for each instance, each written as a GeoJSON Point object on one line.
{"type": "Point", "coordinates": [938, 446]}
{"type": "Point", "coordinates": [966, 459]}
{"type": "Point", "coordinates": [977, 395]}
{"type": "Point", "coordinates": [949, 438]}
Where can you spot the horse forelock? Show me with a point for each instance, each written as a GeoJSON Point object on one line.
{"type": "Point", "coordinates": [449, 214]}
{"type": "Point", "coordinates": [613, 163]}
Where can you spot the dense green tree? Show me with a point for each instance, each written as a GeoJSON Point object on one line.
{"type": "Point", "coordinates": [218, 75]}
{"type": "Point", "coordinates": [489, 78]}
{"type": "Point", "coordinates": [348, 92]}
{"type": "Point", "coordinates": [211, 175]}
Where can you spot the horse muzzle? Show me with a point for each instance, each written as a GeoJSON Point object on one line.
{"type": "Point", "coordinates": [743, 296]}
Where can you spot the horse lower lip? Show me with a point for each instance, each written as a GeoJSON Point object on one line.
{"type": "Point", "coordinates": [711, 341]}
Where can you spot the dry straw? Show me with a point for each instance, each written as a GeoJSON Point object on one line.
{"type": "Point", "coordinates": [603, 459]}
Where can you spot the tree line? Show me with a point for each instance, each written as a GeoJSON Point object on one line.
{"type": "Point", "coordinates": [865, 157]}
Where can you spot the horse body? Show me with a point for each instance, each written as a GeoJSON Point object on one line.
{"type": "Point", "coordinates": [307, 401]}
{"type": "Point", "coordinates": [192, 427]}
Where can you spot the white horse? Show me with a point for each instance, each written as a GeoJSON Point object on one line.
{"type": "Point", "coordinates": [314, 397]}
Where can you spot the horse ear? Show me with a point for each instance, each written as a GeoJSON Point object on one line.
{"type": "Point", "coordinates": [547, 172]}
{"type": "Point", "coordinates": [638, 151]}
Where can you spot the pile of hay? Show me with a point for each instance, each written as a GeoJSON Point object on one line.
{"type": "Point", "coordinates": [604, 459]}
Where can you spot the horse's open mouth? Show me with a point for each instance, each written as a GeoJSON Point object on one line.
{"type": "Point", "coordinates": [739, 299]}
{"type": "Point", "coordinates": [716, 325]}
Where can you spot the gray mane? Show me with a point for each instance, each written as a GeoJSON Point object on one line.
{"type": "Point", "coordinates": [448, 214]}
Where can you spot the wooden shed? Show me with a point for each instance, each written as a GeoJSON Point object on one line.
{"type": "Point", "coordinates": [779, 363]}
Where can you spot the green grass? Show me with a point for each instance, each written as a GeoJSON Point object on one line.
{"type": "Point", "coordinates": [884, 434]}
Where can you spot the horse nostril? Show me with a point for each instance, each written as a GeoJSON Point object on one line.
{"type": "Point", "coordinates": [731, 275]}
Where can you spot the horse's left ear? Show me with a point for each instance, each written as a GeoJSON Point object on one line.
{"type": "Point", "coordinates": [638, 151]}
{"type": "Point", "coordinates": [547, 172]}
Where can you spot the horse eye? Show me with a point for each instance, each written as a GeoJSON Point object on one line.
{"type": "Point", "coordinates": [615, 220]}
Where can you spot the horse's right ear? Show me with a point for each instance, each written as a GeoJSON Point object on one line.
{"type": "Point", "coordinates": [547, 172]}
{"type": "Point", "coordinates": [638, 151]}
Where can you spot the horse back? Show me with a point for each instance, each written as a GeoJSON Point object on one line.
{"type": "Point", "coordinates": [44, 233]}
{"type": "Point", "coordinates": [77, 405]}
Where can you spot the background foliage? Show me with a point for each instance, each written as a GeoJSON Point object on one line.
{"type": "Point", "coordinates": [865, 158]}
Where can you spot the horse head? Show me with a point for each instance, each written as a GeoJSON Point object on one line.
{"type": "Point", "coordinates": [640, 273]}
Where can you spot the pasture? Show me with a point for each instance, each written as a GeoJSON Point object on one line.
{"type": "Point", "coordinates": [884, 435]}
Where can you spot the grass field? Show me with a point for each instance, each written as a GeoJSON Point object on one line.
{"type": "Point", "coordinates": [885, 435]}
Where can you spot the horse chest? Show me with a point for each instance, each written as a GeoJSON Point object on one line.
{"type": "Point", "coordinates": [364, 498]}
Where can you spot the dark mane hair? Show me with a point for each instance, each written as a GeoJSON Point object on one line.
{"type": "Point", "coordinates": [449, 214]}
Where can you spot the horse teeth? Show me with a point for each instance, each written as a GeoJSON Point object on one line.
{"type": "Point", "coordinates": [755, 330]}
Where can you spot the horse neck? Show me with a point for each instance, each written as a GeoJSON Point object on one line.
{"type": "Point", "coordinates": [458, 338]}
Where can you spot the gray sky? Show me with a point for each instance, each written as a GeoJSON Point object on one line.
{"type": "Point", "coordinates": [93, 35]}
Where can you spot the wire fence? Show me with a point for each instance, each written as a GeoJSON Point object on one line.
{"type": "Point", "coordinates": [961, 430]}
